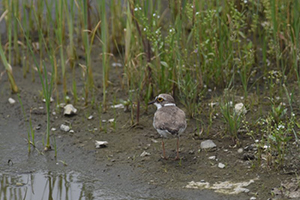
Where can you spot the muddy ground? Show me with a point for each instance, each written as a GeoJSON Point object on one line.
{"type": "Point", "coordinates": [118, 168]}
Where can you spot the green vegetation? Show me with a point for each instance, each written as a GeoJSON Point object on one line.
{"type": "Point", "coordinates": [192, 49]}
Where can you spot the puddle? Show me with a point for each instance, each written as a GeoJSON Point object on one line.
{"type": "Point", "coordinates": [43, 185]}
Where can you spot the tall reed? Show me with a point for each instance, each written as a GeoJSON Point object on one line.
{"type": "Point", "coordinates": [89, 84]}
{"type": "Point", "coordinates": [104, 42]}
{"type": "Point", "coordinates": [9, 71]}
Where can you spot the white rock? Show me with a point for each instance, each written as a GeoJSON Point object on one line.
{"type": "Point", "coordinates": [145, 154]}
{"type": "Point", "coordinates": [239, 108]}
{"type": "Point", "coordinates": [90, 117]}
{"type": "Point", "coordinates": [69, 109]}
{"type": "Point", "coordinates": [11, 101]}
{"type": "Point", "coordinates": [71, 131]}
{"type": "Point", "coordinates": [208, 145]}
{"type": "Point", "coordinates": [100, 144]}
{"type": "Point", "coordinates": [118, 106]}
{"type": "Point", "coordinates": [111, 120]}
{"type": "Point", "coordinates": [253, 198]}
{"type": "Point", "coordinates": [212, 157]}
{"type": "Point", "coordinates": [154, 141]}
{"type": "Point", "coordinates": [64, 128]}
{"type": "Point", "coordinates": [240, 150]}
{"type": "Point", "coordinates": [116, 64]}
{"type": "Point", "coordinates": [221, 165]}
{"type": "Point", "coordinates": [53, 129]}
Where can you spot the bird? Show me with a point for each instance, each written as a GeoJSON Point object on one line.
{"type": "Point", "coordinates": [168, 120]}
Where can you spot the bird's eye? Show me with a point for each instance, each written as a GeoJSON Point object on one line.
{"type": "Point", "coordinates": [159, 99]}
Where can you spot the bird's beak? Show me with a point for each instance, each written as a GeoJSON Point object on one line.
{"type": "Point", "coordinates": [151, 102]}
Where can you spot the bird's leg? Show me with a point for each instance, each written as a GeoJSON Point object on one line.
{"type": "Point", "coordinates": [163, 147]}
{"type": "Point", "coordinates": [177, 156]}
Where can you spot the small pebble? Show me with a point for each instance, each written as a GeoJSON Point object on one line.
{"type": "Point", "coordinates": [111, 120]}
{"type": "Point", "coordinates": [11, 101]}
{"type": "Point", "coordinates": [208, 145]}
{"type": "Point", "coordinates": [69, 109]}
{"type": "Point", "coordinates": [114, 64]}
{"type": "Point", "coordinates": [64, 128]}
{"type": "Point", "coordinates": [145, 154]}
{"type": "Point", "coordinates": [154, 141]}
{"type": "Point", "coordinates": [100, 144]}
{"type": "Point", "coordinates": [239, 108]}
{"type": "Point", "coordinates": [118, 106]}
{"type": "Point", "coordinates": [221, 165]}
{"type": "Point", "coordinates": [191, 152]}
{"type": "Point", "coordinates": [38, 127]}
{"type": "Point", "coordinates": [240, 150]}
{"type": "Point", "coordinates": [212, 157]}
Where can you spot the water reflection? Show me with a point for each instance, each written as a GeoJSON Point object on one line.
{"type": "Point", "coordinates": [43, 185]}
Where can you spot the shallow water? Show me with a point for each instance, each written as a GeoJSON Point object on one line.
{"type": "Point", "coordinates": [42, 185]}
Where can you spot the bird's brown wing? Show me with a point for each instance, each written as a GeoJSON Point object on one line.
{"type": "Point", "coordinates": [170, 118]}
